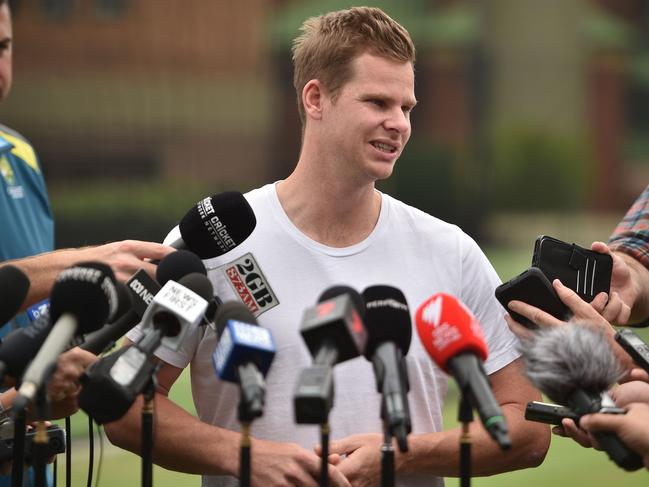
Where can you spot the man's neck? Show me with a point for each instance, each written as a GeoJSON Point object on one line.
{"type": "Point", "coordinates": [328, 209]}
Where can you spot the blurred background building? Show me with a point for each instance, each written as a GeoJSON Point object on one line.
{"type": "Point", "coordinates": [139, 107]}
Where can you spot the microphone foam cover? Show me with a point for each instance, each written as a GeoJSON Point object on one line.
{"type": "Point", "coordinates": [387, 319]}
{"type": "Point", "coordinates": [178, 264]}
{"type": "Point", "coordinates": [200, 284]}
{"type": "Point", "coordinates": [562, 359]}
{"type": "Point", "coordinates": [14, 285]}
{"type": "Point", "coordinates": [335, 291]}
{"type": "Point", "coordinates": [447, 328]}
{"type": "Point", "coordinates": [217, 224]}
{"type": "Point", "coordinates": [232, 310]}
{"type": "Point", "coordinates": [87, 291]}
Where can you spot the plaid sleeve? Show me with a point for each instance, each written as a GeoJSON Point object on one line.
{"type": "Point", "coordinates": [631, 235]}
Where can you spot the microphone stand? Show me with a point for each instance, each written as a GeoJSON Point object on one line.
{"type": "Point", "coordinates": [324, 458]}
{"type": "Point", "coordinates": [465, 416]}
{"type": "Point", "coordinates": [39, 457]}
{"type": "Point", "coordinates": [387, 458]}
{"type": "Point", "coordinates": [147, 430]}
{"type": "Point", "coordinates": [18, 458]}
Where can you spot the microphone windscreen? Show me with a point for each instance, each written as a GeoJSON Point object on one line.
{"type": "Point", "coordinates": [387, 318]}
{"type": "Point", "coordinates": [339, 290]}
{"type": "Point", "coordinates": [20, 346]}
{"type": "Point", "coordinates": [232, 310]}
{"type": "Point", "coordinates": [217, 224]}
{"type": "Point", "coordinates": [87, 291]}
{"type": "Point", "coordinates": [14, 285]}
{"type": "Point", "coordinates": [200, 284]}
{"type": "Point", "coordinates": [562, 359]}
{"type": "Point", "coordinates": [178, 264]}
{"type": "Point", "coordinates": [447, 328]}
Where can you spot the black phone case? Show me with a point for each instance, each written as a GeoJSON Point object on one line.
{"type": "Point", "coordinates": [532, 287]}
{"type": "Point", "coordinates": [583, 270]}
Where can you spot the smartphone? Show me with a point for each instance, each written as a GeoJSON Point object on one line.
{"type": "Point", "coordinates": [634, 346]}
{"type": "Point", "coordinates": [585, 271]}
{"type": "Point", "coordinates": [532, 287]}
{"type": "Point", "coordinates": [543, 412]}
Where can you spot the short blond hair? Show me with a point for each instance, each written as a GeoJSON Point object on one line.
{"type": "Point", "coordinates": [330, 42]}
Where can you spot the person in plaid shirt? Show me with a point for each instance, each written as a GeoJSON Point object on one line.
{"type": "Point", "coordinates": [629, 244]}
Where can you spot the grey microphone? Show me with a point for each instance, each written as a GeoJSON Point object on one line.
{"type": "Point", "coordinates": [574, 365]}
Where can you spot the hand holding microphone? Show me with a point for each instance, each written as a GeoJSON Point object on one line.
{"type": "Point", "coordinates": [83, 298]}
{"type": "Point", "coordinates": [574, 366]}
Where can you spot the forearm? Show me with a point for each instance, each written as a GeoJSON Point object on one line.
{"type": "Point", "coordinates": [42, 270]}
{"type": "Point", "coordinates": [182, 442]}
{"type": "Point", "coordinates": [439, 453]}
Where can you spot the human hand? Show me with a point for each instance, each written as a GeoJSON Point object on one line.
{"type": "Point", "coordinates": [622, 287]}
{"type": "Point", "coordinates": [281, 464]}
{"type": "Point", "coordinates": [128, 256]}
{"type": "Point", "coordinates": [583, 312]}
{"type": "Point", "coordinates": [631, 428]}
{"type": "Point", "coordinates": [64, 385]}
{"type": "Point", "coordinates": [569, 429]}
{"type": "Point", "coordinates": [629, 392]}
{"type": "Point", "coordinates": [360, 458]}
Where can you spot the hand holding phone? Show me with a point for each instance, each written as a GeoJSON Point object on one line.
{"type": "Point", "coordinates": [532, 287]}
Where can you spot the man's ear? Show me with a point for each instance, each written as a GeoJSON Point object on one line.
{"type": "Point", "coordinates": [313, 98]}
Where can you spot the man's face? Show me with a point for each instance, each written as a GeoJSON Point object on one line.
{"type": "Point", "coordinates": [5, 51]}
{"type": "Point", "coordinates": [367, 125]}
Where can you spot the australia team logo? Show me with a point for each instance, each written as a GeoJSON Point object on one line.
{"type": "Point", "coordinates": [248, 281]}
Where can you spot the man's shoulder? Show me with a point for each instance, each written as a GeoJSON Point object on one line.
{"type": "Point", "coordinates": [5, 130]}
{"type": "Point", "coordinates": [404, 212]}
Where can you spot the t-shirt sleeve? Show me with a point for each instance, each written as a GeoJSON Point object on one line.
{"type": "Point", "coordinates": [479, 281]}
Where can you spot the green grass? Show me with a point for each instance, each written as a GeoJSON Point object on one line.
{"type": "Point", "coordinates": [566, 462]}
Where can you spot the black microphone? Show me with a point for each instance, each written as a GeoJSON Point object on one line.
{"type": "Point", "coordinates": [83, 298]}
{"type": "Point", "coordinates": [14, 285]}
{"type": "Point", "coordinates": [574, 365]}
{"type": "Point", "coordinates": [333, 331]}
{"type": "Point", "coordinates": [111, 384]}
{"type": "Point", "coordinates": [19, 347]}
{"type": "Point", "coordinates": [142, 290]}
{"type": "Point", "coordinates": [389, 329]}
{"type": "Point", "coordinates": [216, 225]}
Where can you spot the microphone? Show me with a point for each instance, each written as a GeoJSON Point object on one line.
{"type": "Point", "coordinates": [111, 384]}
{"type": "Point", "coordinates": [14, 285]}
{"type": "Point", "coordinates": [453, 338]}
{"type": "Point", "coordinates": [243, 356]}
{"type": "Point", "coordinates": [21, 345]}
{"type": "Point", "coordinates": [83, 298]}
{"type": "Point", "coordinates": [333, 331]}
{"type": "Point", "coordinates": [389, 329]}
{"type": "Point", "coordinates": [216, 225]}
{"type": "Point", "coordinates": [574, 365]}
{"type": "Point", "coordinates": [142, 291]}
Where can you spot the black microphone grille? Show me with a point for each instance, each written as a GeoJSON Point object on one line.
{"type": "Point", "coordinates": [217, 224]}
{"type": "Point", "coordinates": [86, 290]}
{"type": "Point", "coordinates": [562, 359]}
{"type": "Point", "coordinates": [339, 290]}
{"type": "Point", "coordinates": [232, 310]}
{"type": "Point", "coordinates": [387, 318]}
{"type": "Point", "coordinates": [178, 264]}
{"type": "Point", "coordinates": [14, 285]}
{"type": "Point", "coordinates": [200, 284]}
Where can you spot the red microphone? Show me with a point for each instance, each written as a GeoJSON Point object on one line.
{"type": "Point", "coordinates": [453, 338]}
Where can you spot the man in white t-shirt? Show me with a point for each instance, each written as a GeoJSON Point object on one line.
{"type": "Point", "coordinates": [326, 224]}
